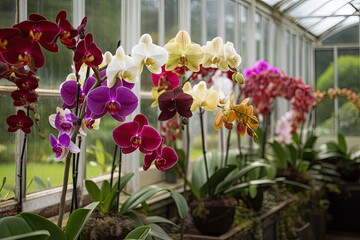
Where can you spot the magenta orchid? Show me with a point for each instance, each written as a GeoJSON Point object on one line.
{"type": "Point", "coordinates": [137, 134]}
{"type": "Point", "coordinates": [20, 121]}
{"type": "Point", "coordinates": [166, 80]}
{"type": "Point", "coordinates": [164, 158]}
{"type": "Point", "coordinates": [63, 121]}
{"type": "Point", "coordinates": [62, 146]}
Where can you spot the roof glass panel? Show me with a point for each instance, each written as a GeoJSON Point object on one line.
{"type": "Point", "coordinates": [325, 24]}
{"type": "Point", "coordinates": [319, 16]}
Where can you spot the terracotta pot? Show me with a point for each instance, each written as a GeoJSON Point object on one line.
{"type": "Point", "coordinates": [213, 216]}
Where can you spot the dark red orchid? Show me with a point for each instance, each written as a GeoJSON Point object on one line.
{"type": "Point", "coordinates": [164, 158]}
{"type": "Point", "coordinates": [19, 121]}
{"type": "Point", "coordinates": [173, 101]}
{"type": "Point", "coordinates": [67, 32]}
{"type": "Point", "coordinates": [40, 30]}
{"type": "Point", "coordinates": [22, 52]}
{"type": "Point", "coordinates": [27, 82]}
{"type": "Point", "coordinates": [137, 134]}
{"type": "Point", "coordinates": [87, 52]}
{"type": "Point", "coordinates": [23, 97]}
{"type": "Point", "coordinates": [166, 80]}
{"type": "Point", "coordinates": [81, 28]}
{"type": "Point", "coordinates": [5, 36]}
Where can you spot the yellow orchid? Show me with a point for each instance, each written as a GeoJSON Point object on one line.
{"type": "Point", "coordinates": [214, 55]}
{"type": "Point", "coordinates": [155, 94]}
{"type": "Point", "coordinates": [204, 98]}
{"type": "Point", "coordinates": [232, 58]}
{"type": "Point", "coordinates": [184, 53]}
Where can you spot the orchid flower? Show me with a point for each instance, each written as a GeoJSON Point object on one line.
{"type": "Point", "coordinates": [19, 121]}
{"type": "Point", "coordinates": [62, 146]}
{"type": "Point", "coordinates": [231, 57]}
{"type": "Point", "coordinates": [148, 54]}
{"type": "Point", "coordinates": [246, 119]}
{"type": "Point", "coordinates": [173, 101]}
{"type": "Point", "coordinates": [63, 120]}
{"type": "Point", "coordinates": [164, 158]}
{"type": "Point", "coordinates": [184, 53]}
{"type": "Point", "coordinates": [123, 67]}
{"type": "Point", "coordinates": [204, 98]}
{"type": "Point", "coordinates": [67, 32]}
{"type": "Point", "coordinates": [137, 134]}
{"type": "Point", "coordinates": [214, 55]}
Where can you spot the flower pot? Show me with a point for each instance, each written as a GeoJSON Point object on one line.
{"type": "Point", "coordinates": [213, 216]}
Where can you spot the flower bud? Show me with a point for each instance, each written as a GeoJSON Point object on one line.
{"type": "Point", "coordinates": [41, 135]}
{"type": "Point", "coordinates": [37, 117]}
{"type": "Point", "coordinates": [238, 77]}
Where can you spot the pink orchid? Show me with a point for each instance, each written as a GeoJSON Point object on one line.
{"type": "Point", "coordinates": [164, 158]}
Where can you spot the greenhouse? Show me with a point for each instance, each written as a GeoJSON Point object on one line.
{"type": "Point", "coordinates": [180, 119]}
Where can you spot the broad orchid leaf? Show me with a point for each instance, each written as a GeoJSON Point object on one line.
{"type": "Point", "coordinates": [37, 222]}
{"type": "Point", "coordinates": [216, 179]}
{"type": "Point", "coordinates": [253, 191]}
{"type": "Point", "coordinates": [342, 143]}
{"type": "Point", "coordinates": [12, 226]}
{"type": "Point", "coordinates": [293, 154]}
{"type": "Point", "coordinates": [310, 141]}
{"type": "Point", "coordinates": [3, 183]}
{"type": "Point", "coordinates": [181, 203]}
{"type": "Point", "coordinates": [93, 190]}
{"type": "Point", "coordinates": [158, 232]}
{"type": "Point", "coordinates": [280, 155]}
{"type": "Point", "coordinates": [35, 235]}
{"type": "Point", "coordinates": [246, 185]}
{"type": "Point", "coordinates": [158, 219]}
{"type": "Point", "coordinates": [77, 221]}
{"type": "Point", "coordinates": [105, 189]}
{"type": "Point", "coordinates": [139, 233]}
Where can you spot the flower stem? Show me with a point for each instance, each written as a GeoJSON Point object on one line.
{"type": "Point", "coordinates": [204, 150]}
{"type": "Point", "coordinates": [75, 167]}
{"type": "Point", "coordinates": [119, 182]}
{"type": "Point", "coordinates": [227, 147]}
{"type": "Point", "coordinates": [113, 166]}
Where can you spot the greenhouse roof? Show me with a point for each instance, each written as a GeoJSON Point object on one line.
{"type": "Point", "coordinates": [319, 16]}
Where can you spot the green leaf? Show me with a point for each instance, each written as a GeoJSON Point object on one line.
{"type": "Point", "coordinates": [158, 232]}
{"type": "Point", "coordinates": [246, 185]}
{"type": "Point", "coordinates": [216, 179]}
{"type": "Point", "coordinates": [11, 226]}
{"type": "Point", "coordinates": [158, 219]}
{"type": "Point", "coordinates": [253, 191]}
{"type": "Point", "coordinates": [93, 190]}
{"type": "Point", "coordinates": [292, 154]}
{"type": "Point", "coordinates": [139, 233]}
{"type": "Point", "coordinates": [342, 143]}
{"type": "Point", "coordinates": [105, 189]}
{"type": "Point", "coordinates": [181, 203]}
{"type": "Point", "coordinates": [125, 179]}
{"type": "Point", "coordinates": [280, 154]}
{"type": "Point", "coordinates": [37, 222]}
{"type": "Point", "coordinates": [310, 141]}
{"type": "Point", "coordinates": [3, 183]}
{"type": "Point", "coordinates": [99, 153]}
{"type": "Point", "coordinates": [138, 197]}
{"type": "Point", "coordinates": [39, 183]}
{"type": "Point", "coordinates": [36, 235]}
{"type": "Point", "coordinates": [77, 221]}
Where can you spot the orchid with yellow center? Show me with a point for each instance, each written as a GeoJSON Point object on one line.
{"type": "Point", "coordinates": [203, 98]}
{"type": "Point", "coordinates": [227, 114]}
{"type": "Point", "coordinates": [183, 53]}
{"type": "Point", "coordinates": [232, 58]}
{"type": "Point", "coordinates": [123, 67]}
{"type": "Point", "coordinates": [214, 54]}
{"type": "Point", "coordinates": [148, 54]}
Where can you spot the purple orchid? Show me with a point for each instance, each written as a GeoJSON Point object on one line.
{"type": "Point", "coordinates": [62, 146]}
{"type": "Point", "coordinates": [64, 121]}
{"type": "Point", "coordinates": [137, 134]}
{"type": "Point", "coordinates": [118, 101]}
{"type": "Point", "coordinates": [164, 158]}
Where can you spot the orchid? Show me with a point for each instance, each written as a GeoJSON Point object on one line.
{"type": "Point", "coordinates": [247, 121]}
{"type": "Point", "coordinates": [123, 67]}
{"type": "Point", "coordinates": [214, 54]}
{"type": "Point", "coordinates": [183, 53]}
{"type": "Point", "coordinates": [67, 31]}
{"type": "Point", "coordinates": [166, 80]}
{"type": "Point", "coordinates": [62, 146]}
{"type": "Point", "coordinates": [137, 134]}
{"type": "Point", "coordinates": [63, 120]}
{"type": "Point", "coordinates": [173, 101]}
{"type": "Point", "coordinates": [232, 58]}
{"type": "Point", "coordinates": [204, 98]}
{"type": "Point", "coordinates": [19, 121]}
{"type": "Point", "coordinates": [164, 158]}
{"type": "Point", "coordinates": [23, 97]}
{"type": "Point", "coordinates": [148, 54]}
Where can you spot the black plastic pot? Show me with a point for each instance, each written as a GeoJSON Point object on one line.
{"type": "Point", "coordinates": [213, 217]}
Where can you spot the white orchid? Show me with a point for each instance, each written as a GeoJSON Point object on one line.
{"type": "Point", "coordinates": [214, 54]}
{"type": "Point", "coordinates": [121, 66]}
{"type": "Point", "coordinates": [148, 54]}
{"type": "Point", "coordinates": [232, 58]}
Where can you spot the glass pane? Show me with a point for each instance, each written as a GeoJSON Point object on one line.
{"type": "Point", "coordinates": [324, 75]}
{"type": "Point", "coordinates": [306, 8]}
{"type": "Point", "coordinates": [150, 19]}
{"type": "Point", "coordinates": [271, 2]}
{"type": "Point", "coordinates": [348, 35]}
{"type": "Point", "coordinates": [58, 65]}
{"type": "Point", "coordinates": [211, 19]}
{"type": "Point", "coordinates": [294, 57]}
{"type": "Point", "coordinates": [7, 13]}
{"type": "Point", "coordinates": [104, 23]}
{"type": "Point", "coordinates": [242, 33]}
{"type": "Point", "coordinates": [171, 19]}
{"type": "Point", "coordinates": [265, 36]}
{"type": "Point", "coordinates": [325, 24]}
{"type": "Point", "coordinates": [258, 36]}
{"type": "Point", "coordinates": [196, 21]}
{"type": "Point", "coordinates": [288, 53]}
{"type": "Point", "coordinates": [330, 7]}
{"type": "Point", "coordinates": [7, 149]}
{"type": "Point", "coordinates": [348, 77]}
{"type": "Point", "coordinates": [230, 8]}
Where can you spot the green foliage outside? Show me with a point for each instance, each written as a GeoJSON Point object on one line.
{"type": "Point", "coordinates": [348, 77]}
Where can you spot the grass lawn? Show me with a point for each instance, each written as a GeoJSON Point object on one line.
{"type": "Point", "coordinates": [53, 171]}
